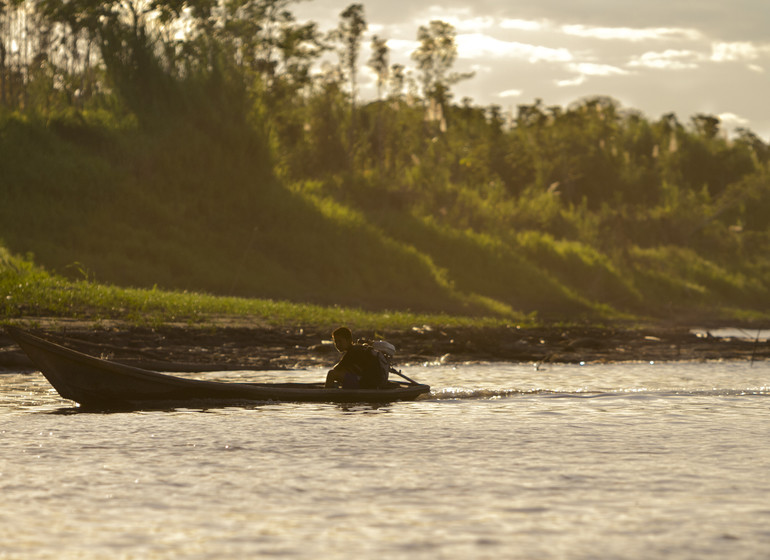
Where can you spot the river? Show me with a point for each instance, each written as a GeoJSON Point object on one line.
{"type": "Point", "coordinates": [641, 460]}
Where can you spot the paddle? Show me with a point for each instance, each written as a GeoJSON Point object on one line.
{"type": "Point", "coordinates": [412, 381]}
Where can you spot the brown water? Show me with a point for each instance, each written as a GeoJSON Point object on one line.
{"type": "Point", "coordinates": [614, 461]}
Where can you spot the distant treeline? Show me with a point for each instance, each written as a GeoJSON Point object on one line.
{"type": "Point", "coordinates": [593, 201]}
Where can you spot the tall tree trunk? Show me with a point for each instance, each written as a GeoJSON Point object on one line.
{"type": "Point", "coordinates": [3, 72]}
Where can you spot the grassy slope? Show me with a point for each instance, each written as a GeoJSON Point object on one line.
{"type": "Point", "coordinates": [176, 211]}
{"type": "Point", "coordinates": [29, 291]}
{"type": "Point", "coordinates": [180, 211]}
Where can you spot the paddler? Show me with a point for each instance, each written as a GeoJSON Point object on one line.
{"type": "Point", "coordinates": [359, 367]}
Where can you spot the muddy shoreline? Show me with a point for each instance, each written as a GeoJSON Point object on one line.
{"type": "Point", "coordinates": [224, 346]}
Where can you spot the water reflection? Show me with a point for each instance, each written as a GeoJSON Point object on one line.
{"type": "Point", "coordinates": [352, 408]}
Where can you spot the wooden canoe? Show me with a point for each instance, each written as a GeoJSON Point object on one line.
{"type": "Point", "coordinates": [101, 384]}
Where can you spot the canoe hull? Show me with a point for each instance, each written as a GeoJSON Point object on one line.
{"type": "Point", "coordinates": [96, 383]}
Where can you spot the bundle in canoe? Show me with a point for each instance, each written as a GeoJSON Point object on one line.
{"type": "Point", "coordinates": [96, 383]}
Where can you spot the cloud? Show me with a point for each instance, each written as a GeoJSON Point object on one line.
{"type": "Point", "coordinates": [721, 52]}
{"type": "Point", "coordinates": [477, 45]}
{"type": "Point", "coordinates": [632, 34]}
{"type": "Point", "coordinates": [402, 45]}
{"type": "Point", "coordinates": [475, 24]}
{"type": "Point", "coordinates": [376, 28]}
{"type": "Point", "coordinates": [737, 51]}
{"type": "Point", "coordinates": [586, 69]}
{"type": "Point", "coordinates": [481, 68]}
{"type": "Point", "coordinates": [593, 69]}
{"type": "Point", "coordinates": [572, 82]}
{"type": "Point", "coordinates": [732, 120]}
{"type": "Point", "coordinates": [670, 59]}
{"type": "Point", "coordinates": [461, 19]}
{"type": "Point", "coordinates": [510, 93]}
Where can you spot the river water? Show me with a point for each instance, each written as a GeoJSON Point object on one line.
{"type": "Point", "coordinates": [502, 460]}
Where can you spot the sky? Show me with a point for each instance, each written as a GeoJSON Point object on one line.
{"type": "Point", "coordinates": [656, 56]}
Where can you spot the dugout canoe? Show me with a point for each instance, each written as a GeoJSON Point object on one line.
{"type": "Point", "coordinates": [101, 384]}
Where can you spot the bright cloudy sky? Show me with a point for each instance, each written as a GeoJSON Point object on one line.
{"type": "Point", "coordinates": [657, 56]}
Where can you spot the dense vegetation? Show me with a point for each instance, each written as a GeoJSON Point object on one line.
{"type": "Point", "coordinates": [203, 146]}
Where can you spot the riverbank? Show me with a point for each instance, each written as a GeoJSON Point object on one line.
{"type": "Point", "coordinates": [234, 345]}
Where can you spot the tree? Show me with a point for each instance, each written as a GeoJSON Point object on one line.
{"type": "Point", "coordinates": [379, 62]}
{"type": "Point", "coordinates": [351, 27]}
{"type": "Point", "coordinates": [299, 46]}
{"type": "Point", "coordinates": [3, 51]}
{"type": "Point", "coordinates": [397, 80]}
{"type": "Point", "coordinates": [435, 57]}
{"type": "Point", "coordinates": [706, 126]}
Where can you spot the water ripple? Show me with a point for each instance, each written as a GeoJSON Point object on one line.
{"type": "Point", "coordinates": [453, 393]}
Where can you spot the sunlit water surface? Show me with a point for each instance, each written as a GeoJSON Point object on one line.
{"type": "Point", "coordinates": [594, 461]}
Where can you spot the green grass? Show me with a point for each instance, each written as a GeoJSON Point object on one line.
{"type": "Point", "coordinates": [29, 292]}
{"type": "Point", "coordinates": [683, 276]}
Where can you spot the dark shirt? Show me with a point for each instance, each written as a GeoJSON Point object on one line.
{"type": "Point", "coordinates": [363, 362]}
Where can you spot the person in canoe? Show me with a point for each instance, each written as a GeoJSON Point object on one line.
{"type": "Point", "coordinates": [361, 365]}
